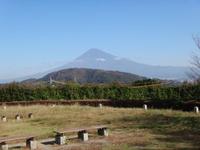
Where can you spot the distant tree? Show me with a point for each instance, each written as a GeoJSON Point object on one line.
{"type": "Point", "coordinates": [146, 82]}
{"type": "Point", "coordinates": [195, 75]}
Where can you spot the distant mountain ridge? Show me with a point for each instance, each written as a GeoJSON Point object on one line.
{"type": "Point", "coordinates": [83, 76]}
{"type": "Point", "coordinates": [98, 59]}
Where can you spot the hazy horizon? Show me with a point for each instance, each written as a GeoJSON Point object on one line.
{"type": "Point", "coordinates": [39, 35]}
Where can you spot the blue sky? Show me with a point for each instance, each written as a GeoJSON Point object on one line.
{"type": "Point", "coordinates": [36, 35]}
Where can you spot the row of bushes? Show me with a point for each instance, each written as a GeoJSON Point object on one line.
{"type": "Point", "coordinates": [17, 92]}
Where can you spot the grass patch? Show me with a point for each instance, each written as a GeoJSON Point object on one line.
{"type": "Point", "coordinates": [130, 128]}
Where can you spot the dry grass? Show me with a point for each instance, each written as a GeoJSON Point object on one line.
{"type": "Point", "coordinates": [130, 128]}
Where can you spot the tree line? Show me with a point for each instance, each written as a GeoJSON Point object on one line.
{"type": "Point", "coordinates": [19, 92]}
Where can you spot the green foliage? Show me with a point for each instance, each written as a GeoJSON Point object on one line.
{"type": "Point", "coordinates": [19, 92]}
{"type": "Point", "coordinates": [146, 82]}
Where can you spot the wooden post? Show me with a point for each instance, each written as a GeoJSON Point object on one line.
{"type": "Point", "coordinates": [145, 107]}
{"type": "Point", "coordinates": [196, 109]}
{"type": "Point", "coordinates": [4, 107]}
{"type": "Point", "coordinates": [100, 105]}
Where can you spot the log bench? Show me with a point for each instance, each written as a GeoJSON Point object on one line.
{"type": "Point", "coordinates": [30, 142]}
{"type": "Point", "coordinates": [82, 133]}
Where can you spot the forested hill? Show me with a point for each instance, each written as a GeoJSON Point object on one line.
{"type": "Point", "coordinates": [82, 76]}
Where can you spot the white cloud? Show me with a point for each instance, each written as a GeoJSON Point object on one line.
{"type": "Point", "coordinates": [101, 59]}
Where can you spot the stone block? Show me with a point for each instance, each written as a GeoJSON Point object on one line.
{"type": "Point", "coordinates": [60, 139]}
{"type": "Point", "coordinates": [31, 144]}
{"type": "Point", "coordinates": [17, 117]}
{"type": "Point", "coordinates": [3, 146]}
{"type": "Point", "coordinates": [83, 135]}
{"type": "Point", "coordinates": [30, 115]}
{"type": "Point", "coordinates": [103, 132]}
{"type": "Point", "coordinates": [4, 119]}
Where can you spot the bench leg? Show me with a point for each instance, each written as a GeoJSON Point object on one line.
{"type": "Point", "coordinates": [103, 132]}
{"type": "Point", "coordinates": [31, 144]}
{"type": "Point", "coordinates": [60, 139]}
{"type": "Point", "coordinates": [83, 135]}
{"type": "Point", "coordinates": [4, 146]}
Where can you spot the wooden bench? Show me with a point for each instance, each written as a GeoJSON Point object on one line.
{"type": "Point", "coordinates": [30, 142]}
{"type": "Point", "coordinates": [82, 133]}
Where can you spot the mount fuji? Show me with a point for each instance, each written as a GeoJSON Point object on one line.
{"type": "Point", "coordinates": [98, 59]}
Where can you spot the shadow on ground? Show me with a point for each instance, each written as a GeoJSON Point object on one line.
{"type": "Point", "coordinates": [174, 130]}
